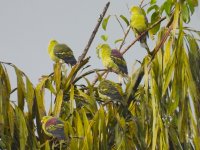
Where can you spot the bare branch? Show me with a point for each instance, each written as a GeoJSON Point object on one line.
{"type": "Point", "coordinates": [145, 4]}
{"type": "Point", "coordinates": [141, 3]}
{"type": "Point", "coordinates": [120, 23]}
{"type": "Point", "coordinates": [87, 73]}
{"type": "Point", "coordinates": [93, 33]}
{"type": "Point", "coordinates": [125, 35]}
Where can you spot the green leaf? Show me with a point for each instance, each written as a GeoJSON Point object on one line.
{"type": "Point", "coordinates": [153, 7]}
{"type": "Point", "coordinates": [102, 127]}
{"type": "Point", "coordinates": [57, 75]}
{"type": "Point", "coordinates": [176, 18]}
{"type": "Point", "coordinates": [79, 125]}
{"type": "Point", "coordinates": [47, 146]}
{"type": "Point", "coordinates": [167, 7]}
{"type": "Point", "coordinates": [39, 90]}
{"type": "Point", "coordinates": [118, 40]}
{"type": "Point", "coordinates": [30, 95]}
{"type": "Point", "coordinates": [185, 13]}
{"type": "Point", "coordinates": [124, 19]}
{"type": "Point", "coordinates": [21, 128]}
{"type": "Point", "coordinates": [105, 22]}
{"type": "Point", "coordinates": [72, 100]}
{"type": "Point", "coordinates": [192, 4]}
{"type": "Point", "coordinates": [168, 73]}
{"type": "Point", "coordinates": [153, 2]}
{"type": "Point", "coordinates": [154, 17]}
{"type": "Point", "coordinates": [20, 88]}
{"type": "Point", "coordinates": [104, 37]}
{"type": "Point", "coordinates": [40, 107]}
{"type": "Point", "coordinates": [11, 119]}
{"type": "Point", "coordinates": [58, 103]}
{"type": "Point", "coordinates": [49, 86]}
{"type": "Point", "coordinates": [88, 140]}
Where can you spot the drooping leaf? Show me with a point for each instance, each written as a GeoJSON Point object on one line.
{"type": "Point", "coordinates": [124, 19]}
{"type": "Point", "coordinates": [104, 38]}
{"type": "Point", "coordinates": [154, 17]}
{"type": "Point", "coordinates": [153, 2]}
{"type": "Point", "coordinates": [57, 75]}
{"type": "Point", "coordinates": [105, 22]}
{"type": "Point", "coordinates": [30, 95]}
{"type": "Point", "coordinates": [167, 5]}
{"type": "Point", "coordinates": [118, 40]}
{"type": "Point", "coordinates": [153, 7]}
{"type": "Point", "coordinates": [21, 128]}
{"type": "Point", "coordinates": [20, 88]}
{"type": "Point", "coordinates": [58, 103]}
{"type": "Point", "coordinates": [185, 13]}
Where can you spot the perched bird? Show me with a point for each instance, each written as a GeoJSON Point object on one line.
{"type": "Point", "coordinates": [61, 51]}
{"type": "Point", "coordinates": [110, 91]}
{"type": "Point", "coordinates": [139, 24]}
{"type": "Point", "coordinates": [53, 127]}
{"type": "Point", "coordinates": [112, 59]}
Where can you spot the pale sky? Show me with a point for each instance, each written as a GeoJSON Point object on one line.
{"type": "Point", "coordinates": [27, 26]}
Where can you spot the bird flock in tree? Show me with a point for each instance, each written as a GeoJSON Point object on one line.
{"type": "Point", "coordinates": [112, 60]}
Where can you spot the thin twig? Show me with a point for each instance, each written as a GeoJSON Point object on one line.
{"type": "Point", "coordinates": [141, 3]}
{"type": "Point", "coordinates": [93, 33]}
{"type": "Point", "coordinates": [125, 35]}
{"type": "Point", "coordinates": [96, 78]}
{"type": "Point", "coordinates": [146, 4]}
{"type": "Point", "coordinates": [120, 23]}
{"type": "Point", "coordinates": [142, 34]}
{"type": "Point", "coordinates": [106, 75]}
{"type": "Point", "coordinates": [87, 73]}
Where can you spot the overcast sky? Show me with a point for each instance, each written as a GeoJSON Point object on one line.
{"type": "Point", "coordinates": [27, 26]}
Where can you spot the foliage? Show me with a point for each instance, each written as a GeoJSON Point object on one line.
{"type": "Point", "coordinates": [162, 97]}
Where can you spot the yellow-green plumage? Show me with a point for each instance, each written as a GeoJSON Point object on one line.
{"type": "Point", "coordinates": [51, 46]}
{"type": "Point", "coordinates": [63, 52]}
{"type": "Point", "coordinates": [139, 24]}
{"type": "Point", "coordinates": [112, 59]}
{"type": "Point", "coordinates": [111, 91]}
{"type": "Point", "coordinates": [53, 127]}
{"type": "Point", "coordinates": [138, 19]}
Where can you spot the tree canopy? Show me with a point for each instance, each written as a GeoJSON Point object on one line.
{"type": "Point", "coordinates": [156, 107]}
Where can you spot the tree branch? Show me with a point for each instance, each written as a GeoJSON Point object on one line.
{"type": "Point", "coordinates": [156, 49]}
{"type": "Point", "coordinates": [125, 35]}
{"type": "Point", "coordinates": [142, 34]}
{"type": "Point", "coordinates": [93, 33]}
{"type": "Point", "coordinates": [141, 3]}
{"type": "Point", "coordinates": [87, 73]}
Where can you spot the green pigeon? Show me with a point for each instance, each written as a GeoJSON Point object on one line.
{"type": "Point", "coordinates": [139, 24]}
{"type": "Point", "coordinates": [112, 59]}
{"type": "Point", "coordinates": [59, 52]}
{"type": "Point", "coordinates": [110, 91]}
{"type": "Point", "coordinates": [53, 127]}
